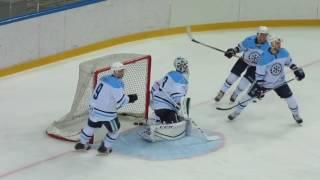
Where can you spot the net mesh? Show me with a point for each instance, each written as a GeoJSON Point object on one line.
{"type": "Point", "coordinates": [136, 80]}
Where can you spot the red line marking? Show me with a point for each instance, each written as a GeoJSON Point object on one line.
{"type": "Point", "coordinates": [28, 166]}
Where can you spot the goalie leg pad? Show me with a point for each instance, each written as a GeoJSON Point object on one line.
{"type": "Point", "coordinates": [164, 132]}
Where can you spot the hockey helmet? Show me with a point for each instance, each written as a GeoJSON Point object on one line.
{"type": "Point", "coordinates": [274, 38]}
{"type": "Point", "coordinates": [181, 64]}
{"type": "Point", "coordinates": [275, 41]}
{"type": "Point", "coordinates": [263, 30]}
{"type": "Point", "coordinates": [116, 66]}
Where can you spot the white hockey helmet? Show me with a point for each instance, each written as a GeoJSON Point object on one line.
{"type": "Point", "coordinates": [274, 38]}
{"type": "Point", "coordinates": [263, 30]}
{"type": "Point", "coordinates": [181, 64]}
{"type": "Point", "coordinates": [116, 66]}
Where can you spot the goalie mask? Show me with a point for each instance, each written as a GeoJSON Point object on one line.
{"type": "Point", "coordinates": [181, 65]}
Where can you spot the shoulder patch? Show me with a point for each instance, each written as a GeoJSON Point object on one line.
{"type": "Point", "coordinates": [283, 53]}
{"type": "Point", "coordinates": [178, 77]}
{"type": "Point", "coordinates": [267, 57]}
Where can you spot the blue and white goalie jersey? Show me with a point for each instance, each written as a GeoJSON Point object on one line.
{"type": "Point", "coordinates": [271, 68]}
{"type": "Point", "coordinates": [107, 98]}
{"type": "Point", "coordinates": [252, 51]}
{"type": "Point", "coordinates": [168, 92]}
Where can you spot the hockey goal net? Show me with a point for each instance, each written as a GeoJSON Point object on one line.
{"type": "Point", "coordinates": [136, 80]}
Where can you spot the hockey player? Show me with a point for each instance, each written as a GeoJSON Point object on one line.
{"type": "Point", "coordinates": [107, 97]}
{"type": "Point", "coordinates": [252, 47]}
{"type": "Point", "coordinates": [166, 97]}
{"type": "Point", "coordinates": [270, 76]}
{"type": "Point", "coordinates": [168, 92]}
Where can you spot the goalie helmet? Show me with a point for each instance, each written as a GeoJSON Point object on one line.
{"type": "Point", "coordinates": [181, 64]}
{"type": "Point", "coordinates": [116, 66]}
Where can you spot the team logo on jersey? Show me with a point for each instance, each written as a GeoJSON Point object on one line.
{"type": "Point", "coordinates": [254, 57]}
{"type": "Point", "coordinates": [276, 69]}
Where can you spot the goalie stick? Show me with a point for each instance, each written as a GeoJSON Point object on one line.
{"type": "Point", "coordinates": [189, 33]}
{"type": "Point", "coordinates": [231, 107]}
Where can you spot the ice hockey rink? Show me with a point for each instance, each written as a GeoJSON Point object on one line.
{"type": "Point", "coordinates": [263, 143]}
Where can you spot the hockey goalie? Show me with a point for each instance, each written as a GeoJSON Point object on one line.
{"type": "Point", "coordinates": [170, 120]}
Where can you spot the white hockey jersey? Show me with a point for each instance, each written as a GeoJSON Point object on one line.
{"type": "Point", "coordinates": [107, 97]}
{"type": "Point", "coordinates": [167, 92]}
{"type": "Point", "coordinates": [252, 51]}
{"type": "Point", "coordinates": [271, 68]}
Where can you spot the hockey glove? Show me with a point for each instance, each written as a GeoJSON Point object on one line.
{"type": "Point", "coordinates": [257, 89]}
{"type": "Point", "coordinates": [299, 73]}
{"type": "Point", "coordinates": [230, 52]}
{"type": "Point", "coordinates": [132, 98]}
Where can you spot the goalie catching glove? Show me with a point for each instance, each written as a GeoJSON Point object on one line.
{"type": "Point", "coordinates": [132, 98]}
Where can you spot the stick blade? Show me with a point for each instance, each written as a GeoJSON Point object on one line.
{"type": "Point", "coordinates": [224, 109]}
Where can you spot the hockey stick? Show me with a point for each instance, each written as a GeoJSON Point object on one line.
{"type": "Point", "coordinates": [208, 138]}
{"type": "Point", "coordinates": [231, 107]}
{"type": "Point", "coordinates": [203, 44]}
{"type": "Point", "coordinates": [189, 33]}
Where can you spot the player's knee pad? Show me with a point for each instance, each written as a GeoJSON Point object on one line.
{"type": "Point", "coordinates": [86, 134]}
{"type": "Point", "coordinates": [87, 131]}
{"type": "Point", "coordinates": [292, 103]}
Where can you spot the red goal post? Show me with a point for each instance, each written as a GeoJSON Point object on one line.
{"type": "Point", "coordinates": [136, 80]}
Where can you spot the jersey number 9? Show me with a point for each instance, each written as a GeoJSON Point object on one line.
{"type": "Point", "coordinates": [97, 91]}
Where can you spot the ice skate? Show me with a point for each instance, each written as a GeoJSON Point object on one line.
{"type": "Point", "coordinates": [233, 97]}
{"type": "Point", "coordinates": [233, 115]}
{"type": "Point", "coordinates": [102, 150]}
{"type": "Point", "coordinates": [219, 96]}
{"type": "Point", "coordinates": [297, 118]}
{"type": "Point", "coordinates": [81, 147]}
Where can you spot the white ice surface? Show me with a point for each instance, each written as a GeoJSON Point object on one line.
{"type": "Point", "coordinates": [264, 143]}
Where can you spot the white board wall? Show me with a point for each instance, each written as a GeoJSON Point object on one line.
{"type": "Point", "coordinates": [54, 33]}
